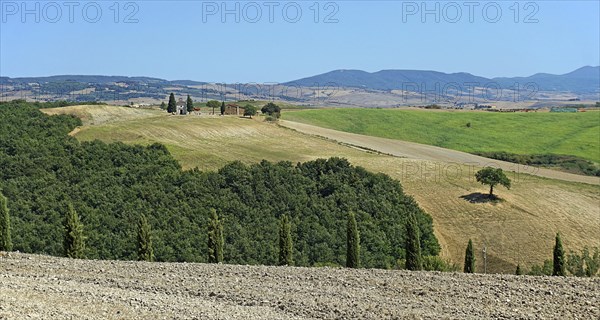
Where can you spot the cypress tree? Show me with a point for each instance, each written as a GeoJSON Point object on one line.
{"type": "Point", "coordinates": [469, 258]}
{"type": "Point", "coordinates": [144, 239]}
{"type": "Point", "coordinates": [414, 260]}
{"type": "Point", "coordinates": [189, 104]}
{"type": "Point", "coordinates": [172, 107]}
{"type": "Point", "coordinates": [352, 243]}
{"type": "Point", "coordinates": [5, 240]}
{"type": "Point", "coordinates": [559, 258]}
{"type": "Point", "coordinates": [74, 245]}
{"type": "Point", "coordinates": [285, 242]}
{"type": "Point", "coordinates": [519, 271]}
{"type": "Point", "coordinates": [215, 238]}
{"type": "Point", "coordinates": [223, 108]}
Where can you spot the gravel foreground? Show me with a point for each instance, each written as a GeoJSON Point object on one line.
{"type": "Point", "coordinates": [43, 287]}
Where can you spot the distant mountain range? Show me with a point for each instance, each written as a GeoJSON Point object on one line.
{"type": "Point", "coordinates": [582, 80]}
{"type": "Point", "coordinates": [95, 79]}
{"type": "Point", "coordinates": [340, 87]}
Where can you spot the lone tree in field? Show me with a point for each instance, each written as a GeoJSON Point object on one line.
{"type": "Point", "coordinates": [74, 240]}
{"type": "Point", "coordinates": [492, 177]}
{"type": "Point", "coordinates": [213, 104]}
{"type": "Point", "coordinates": [223, 108]}
{"type": "Point", "coordinates": [558, 268]}
{"type": "Point", "coordinates": [163, 106]}
{"type": "Point", "coordinates": [414, 260]}
{"type": "Point", "coordinates": [285, 242]}
{"type": "Point", "coordinates": [352, 243]}
{"type": "Point", "coordinates": [271, 109]}
{"type": "Point", "coordinates": [189, 104]}
{"type": "Point", "coordinates": [5, 240]}
{"type": "Point", "coordinates": [144, 239]}
{"type": "Point", "coordinates": [469, 258]}
{"type": "Point", "coordinates": [249, 111]}
{"type": "Point", "coordinates": [215, 238]}
{"type": "Point", "coordinates": [172, 107]}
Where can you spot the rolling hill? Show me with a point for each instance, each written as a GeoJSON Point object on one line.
{"type": "Point", "coordinates": [518, 230]}
{"type": "Point", "coordinates": [574, 134]}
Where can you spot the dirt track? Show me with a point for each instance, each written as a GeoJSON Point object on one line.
{"type": "Point", "coordinates": [42, 287]}
{"type": "Point", "coordinates": [426, 152]}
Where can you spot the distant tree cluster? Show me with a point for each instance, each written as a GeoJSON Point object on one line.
{"type": "Point", "coordinates": [569, 163]}
{"type": "Point", "coordinates": [272, 110]}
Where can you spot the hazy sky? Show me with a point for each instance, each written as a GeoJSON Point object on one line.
{"type": "Point", "coordinates": [277, 41]}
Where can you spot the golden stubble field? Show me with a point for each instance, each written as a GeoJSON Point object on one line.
{"type": "Point", "coordinates": [519, 229]}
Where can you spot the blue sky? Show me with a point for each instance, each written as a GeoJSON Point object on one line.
{"type": "Point", "coordinates": [294, 39]}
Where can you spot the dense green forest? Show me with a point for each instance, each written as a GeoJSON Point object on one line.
{"type": "Point", "coordinates": [43, 170]}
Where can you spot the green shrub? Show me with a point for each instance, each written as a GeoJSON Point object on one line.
{"type": "Point", "coordinates": [542, 270]}
{"type": "Point", "coordinates": [584, 264]}
{"type": "Point", "coordinates": [436, 263]}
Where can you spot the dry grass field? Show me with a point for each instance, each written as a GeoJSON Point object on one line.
{"type": "Point", "coordinates": [519, 229]}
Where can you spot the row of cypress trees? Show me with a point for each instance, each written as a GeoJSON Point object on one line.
{"type": "Point", "coordinates": [414, 259]}
{"type": "Point", "coordinates": [74, 241]}
{"type": "Point", "coordinates": [558, 266]}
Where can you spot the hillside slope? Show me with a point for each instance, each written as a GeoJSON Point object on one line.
{"type": "Point", "coordinates": [44, 287]}
{"type": "Point", "coordinates": [574, 134]}
{"type": "Point", "coordinates": [431, 153]}
{"type": "Point", "coordinates": [518, 230]}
